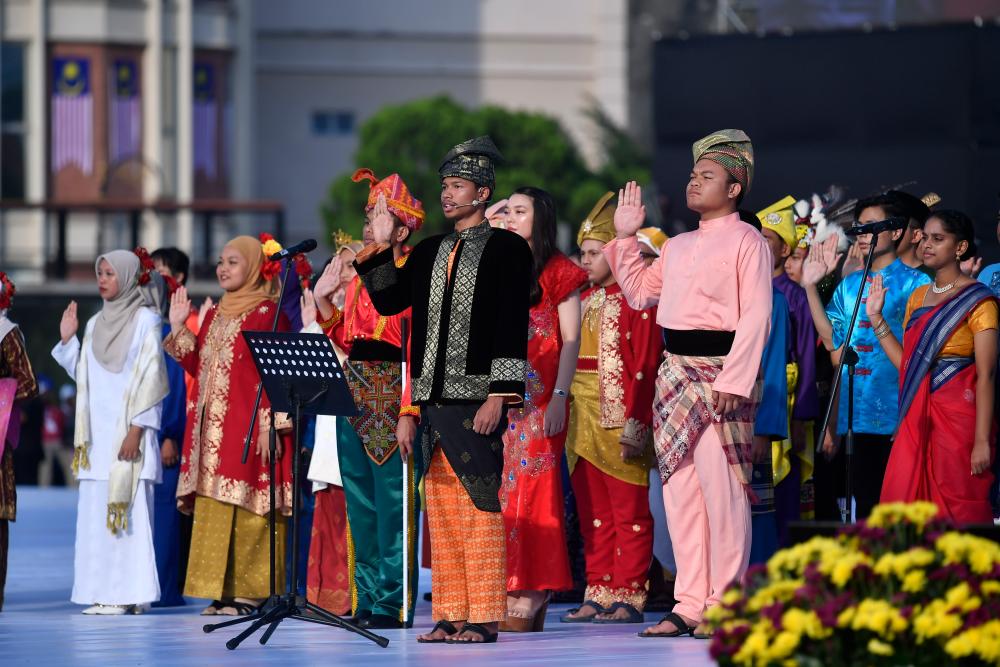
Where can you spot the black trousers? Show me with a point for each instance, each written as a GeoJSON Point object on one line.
{"type": "Point", "coordinates": [871, 455]}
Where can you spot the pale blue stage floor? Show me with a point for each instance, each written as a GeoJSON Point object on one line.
{"type": "Point", "coordinates": [39, 626]}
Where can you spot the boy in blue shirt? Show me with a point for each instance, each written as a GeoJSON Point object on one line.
{"type": "Point", "coordinates": [876, 382]}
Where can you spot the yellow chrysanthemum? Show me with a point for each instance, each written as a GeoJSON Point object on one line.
{"type": "Point", "coordinates": [935, 620]}
{"type": "Point", "coordinates": [778, 591]}
{"type": "Point", "coordinates": [880, 617]}
{"type": "Point", "coordinates": [982, 641]}
{"type": "Point", "coordinates": [803, 622]}
{"type": "Point", "coordinates": [990, 587]}
{"type": "Point", "coordinates": [980, 554]}
{"type": "Point", "coordinates": [891, 514]}
{"type": "Point", "coordinates": [877, 647]}
{"type": "Point", "coordinates": [914, 581]}
{"type": "Point", "coordinates": [271, 247]}
{"type": "Point", "coordinates": [782, 646]}
{"type": "Point", "coordinates": [753, 648]}
{"type": "Point", "coordinates": [843, 568]}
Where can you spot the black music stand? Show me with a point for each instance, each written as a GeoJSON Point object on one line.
{"type": "Point", "coordinates": [300, 374]}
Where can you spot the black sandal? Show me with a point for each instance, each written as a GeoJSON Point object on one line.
{"type": "Point", "coordinates": [682, 627]}
{"type": "Point", "coordinates": [242, 608]}
{"type": "Point", "coordinates": [568, 618]}
{"type": "Point", "coordinates": [634, 615]}
{"type": "Point", "coordinates": [213, 609]}
{"type": "Point", "coordinates": [440, 625]}
{"type": "Point", "coordinates": [488, 637]}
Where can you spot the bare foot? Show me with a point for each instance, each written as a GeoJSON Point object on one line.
{"type": "Point", "coordinates": [440, 635]}
{"type": "Point", "coordinates": [526, 603]}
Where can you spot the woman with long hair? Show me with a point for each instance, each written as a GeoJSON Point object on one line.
{"type": "Point", "coordinates": [121, 382]}
{"type": "Point", "coordinates": [531, 495]}
{"type": "Point", "coordinates": [947, 361]}
{"type": "Point", "coordinates": [230, 499]}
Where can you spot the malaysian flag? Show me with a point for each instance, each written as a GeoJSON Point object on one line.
{"type": "Point", "coordinates": [205, 120]}
{"type": "Point", "coordinates": [72, 115]}
{"type": "Point", "coordinates": [125, 117]}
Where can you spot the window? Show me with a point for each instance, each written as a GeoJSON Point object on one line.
{"type": "Point", "coordinates": [332, 123]}
{"type": "Point", "coordinates": [12, 128]}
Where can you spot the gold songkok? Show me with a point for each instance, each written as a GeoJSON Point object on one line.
{"type": "Point", "coordinates": [600, 222]}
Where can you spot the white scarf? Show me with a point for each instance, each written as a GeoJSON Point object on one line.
{"type": "Point", "coordinates": [147, 387]}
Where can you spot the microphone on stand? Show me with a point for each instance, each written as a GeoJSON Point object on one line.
{"type": "Point", "coordinates": [306, 246]}
{"type": "Point", "coordinates": [887, 225]}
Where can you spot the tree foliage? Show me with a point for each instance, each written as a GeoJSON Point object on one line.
{"type": "Point", "coordinates": [411, 138]}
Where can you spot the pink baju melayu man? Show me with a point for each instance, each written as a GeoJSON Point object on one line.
{"type": "Point", "coordinates": [713, 287]}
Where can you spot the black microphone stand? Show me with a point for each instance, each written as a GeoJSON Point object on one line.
{"type": "Point", "coordinates": [849, 358]}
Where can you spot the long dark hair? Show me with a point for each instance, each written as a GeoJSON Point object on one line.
{"type": "Point", "coordinates": [543, 233]}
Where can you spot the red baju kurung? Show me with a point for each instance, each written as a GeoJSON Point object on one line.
{"type": "Point", "coordinates": [218, 414]}
{"type": "Point", "coordinates": [531, 496]}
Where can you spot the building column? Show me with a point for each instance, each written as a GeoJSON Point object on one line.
{"type": "Point", "coordinates": [36, 111]}
{"type": "Point", "coordinates": [611, 59]}
{"type": "Point", "coordinates": [36, 142]}
{"type": "Point", "coordinates": [244, 119]}
{"type": "Point", "coordinates": [185, 124]}
{"type": "Point", "coordinates": [152, 122]}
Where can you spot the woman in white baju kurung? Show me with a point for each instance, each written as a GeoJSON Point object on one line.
{"type": "Point", "coordinates": [121, 382]}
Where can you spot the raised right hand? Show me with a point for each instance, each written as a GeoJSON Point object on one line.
{"type": "Point", "coordinates": [876, 299]}
{"type": "Point", "coordinates": [329, 280]}
{"type": "Point", "coordinates": [203, 311]}
{"type": "Point", "coordinates": [307, 304]}
{"type": "Point", "coordinates": [382, 222]}
{"type": "Point", "coordinates": [855, 261]}
{"type": "Point", "coordinates": [630, 213]}
{"type": "Point", "coordinates": [815, 268]}
{"type": "Point", "coordinates": [180, 309]}
{"type": "Point", "coordinates": [69, 324]}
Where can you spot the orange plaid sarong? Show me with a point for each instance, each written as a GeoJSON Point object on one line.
{"type": "Point", "coordinates": [469, 573]}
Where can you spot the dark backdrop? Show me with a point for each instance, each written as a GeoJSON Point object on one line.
{"type": "Point", "coordinates": [862, 109]}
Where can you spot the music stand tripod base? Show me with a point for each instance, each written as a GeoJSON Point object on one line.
{"type": "Point", "coordinates": [300, 373]}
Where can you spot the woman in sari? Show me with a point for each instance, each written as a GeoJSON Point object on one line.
{"type": "Point", "coordinates": [947, 360]}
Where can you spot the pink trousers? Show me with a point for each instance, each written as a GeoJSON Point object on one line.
{"type": "Point", "coordinates": [708, 516]}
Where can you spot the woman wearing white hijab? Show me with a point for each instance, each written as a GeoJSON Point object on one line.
{"type": "Point", "coordinates": [121, 382]}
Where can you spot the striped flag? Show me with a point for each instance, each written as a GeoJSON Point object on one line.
{"type": "Point", "coordinates": [125, 117]}
{"type": "Point", "coordinates": [72, 115]}
{"type": "Point", "coordinates": [206, 120]}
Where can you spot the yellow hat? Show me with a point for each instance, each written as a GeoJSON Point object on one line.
{"type": "Point", "coordinates": [780, 218]}
{"type": "Point", "coordinates": [600, 222]}
{"type": "Point", "coordinates": [653, 238]}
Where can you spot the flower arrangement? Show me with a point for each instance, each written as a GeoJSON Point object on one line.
{"type": "Point", "coordinates": [304, 270]}
{"type": "Point", "coordinates": [145, 264]}
{"type": "Point", "coordinates": [7, 293]}
{"type": "Point", "coordinates": [270, 269]}
{"type": "Point", "coordinates": [269, 246]}
{"type": "Point", "coordinates": [902, 588]}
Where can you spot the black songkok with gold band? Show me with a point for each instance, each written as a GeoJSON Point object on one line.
{"type": "Point", "coordinates": [472, 160]}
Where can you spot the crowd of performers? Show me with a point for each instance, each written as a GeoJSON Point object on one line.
{"type": "Point", "coordinates": [677, 385]}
